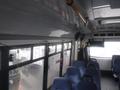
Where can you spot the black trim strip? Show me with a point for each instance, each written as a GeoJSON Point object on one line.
{"type": "Point", "coordinates": [30, 37]}
{"type": "Point", "coordinates": [26, 46]}
{"type": "Point", "coordinates": [71, 54]}
{"type": "Point", "coordinates": [33, 45]}
{"type": "Point", "coordinates": [24, 63]}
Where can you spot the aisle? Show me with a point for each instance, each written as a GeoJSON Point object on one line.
{"type": "Point", "coordinates": [108, 83]}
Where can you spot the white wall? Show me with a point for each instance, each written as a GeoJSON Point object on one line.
{"type": "Point", "coordinates": [105, 64]}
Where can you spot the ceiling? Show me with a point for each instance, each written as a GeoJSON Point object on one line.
{"type": "Point", "coordinates": [32, 17]}
{"type": "Point", "coordinates": [53, 18]}
{"type": "Point", "coordinates": [107, 14]}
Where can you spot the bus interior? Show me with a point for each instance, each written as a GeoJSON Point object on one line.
{"type": "Point", "coordinates": [59, 44]}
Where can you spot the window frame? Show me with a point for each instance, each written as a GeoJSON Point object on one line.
{"type": "Point", "coordinates": [31, 60]}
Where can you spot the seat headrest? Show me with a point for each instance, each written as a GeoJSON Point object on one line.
{"type": "Point", "coordinates": [61, 83]}
{"type": "Point", "coordinates": [78, 63]}
{"type": "Point", "coordinates": [93, 64]}
{"type": "Point", "coordinates": [72, 71]}
{"type": "Point", "coordinates": [116, 60]}
{"type": "Point", "coordinates": [73, 75]}
{"type": "Point", "coordinates": [116, 57]}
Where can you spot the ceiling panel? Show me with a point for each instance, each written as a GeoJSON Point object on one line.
{"type": "Point", "coordinates": [100, 2]}
{"type": "Point", "coordinates": [115, 3]}
{"type": "Point", "coordinates": [31, 17]}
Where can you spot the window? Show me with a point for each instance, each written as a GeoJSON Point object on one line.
{"type": "Point", "coordinates": [38, 51]}
{"type": "Point", "coordinates": [29, 77]}
{"type": "Point", "coordinates": [65, 46]}
{"type": "Point", "coordinates": [66, 61]}
{"type": "Point", "coordinates": [69, 46]}
{"type": "Point", "coordinates": [53, 68]}
{"type": "Point", "coordinates": [78, 44]}
{"type": "Point", "coordinates": [109, 49]}
{"type": "Point", "coordinates": [19, 55]}
{"type": "Point", "coordinates": [52, 49]}
{"type": "Point", "coordinates": [59, 48]}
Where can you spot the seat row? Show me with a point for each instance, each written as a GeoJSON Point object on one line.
{"type": "Point", "coordinates": [79, 76]}
{"type": "Point", "coordinates": [115, 65]}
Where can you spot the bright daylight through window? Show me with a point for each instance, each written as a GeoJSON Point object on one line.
{"type": "Point", "coordinates": [109, 49]}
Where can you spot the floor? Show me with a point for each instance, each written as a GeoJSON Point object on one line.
{"type": "Point", "coordinates": [108, 83]}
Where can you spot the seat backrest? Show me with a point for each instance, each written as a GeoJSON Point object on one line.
{"type": "Point", "coordinates": [116, 64]}
{"type": "Point", "coordinates": [81, 66]}
{"type": "Point", "coordinates": [94, 73]}
{"type": "Point", "coordinates": [93, 63]}
{"type": "Point", "coordinates": [115, 60]}
{"type": "Point", "coordinates": [87, 84]}
{"type": "Point", "coordinates": [78, 63]}
{"type": "Point", "coordinates": [73, 74]}
{"type": "Point", "coordinates": [61, 83]}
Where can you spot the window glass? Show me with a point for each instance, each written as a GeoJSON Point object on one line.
{"type": "Point", "coordinates": [53, 68]}
{"type": "Point", "coordinates": [78, 46]}
{"type": "Point", "coordinates": [109, 49]}
{"type": "Point", "coordinates": [38, 51]}
{"type": "Point", "coordinates": [19, 55]}
{"type": "Point", "coordinates": [29, 77]}
{"type": "Point", "coordinates": [76, 51]}
{"type": "Point", "coordinates": [65, 46]}
{"type": "Point", "coordinates": [59, 48]}
{"type": "Point", "coordinates": [69, 45]}
{"type": "Point", "coordinates": [66, 61]}
{"type": "Point", "coordinates": [51, 49]}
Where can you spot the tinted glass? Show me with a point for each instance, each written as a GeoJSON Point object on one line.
{"type": "Point", "coordinates": [66, 60]}
{"type": "Point", "coordinates": [29, 77]}
{"type": "Point", "coordinates": [51, 49]}
{"type": "Point", "coordinates": [59, 48]}
{"type": "Point", "coordinates": [19, 55]}
{"type": "Point", "coordinates": [38, 51]}
{"type": "Point", "coordinates": [65, 46]}
{"type": "Point", "coordinates": [69, 45]}
{"type": "Point", "coordinates": [53, 68]}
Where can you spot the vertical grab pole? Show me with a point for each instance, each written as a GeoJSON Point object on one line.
{"type": "Point", "coordinates": [4, 75]}
{"type": "Point", "coordinates": [61, 61]}
{"type": "Point", "coordinates": [71, 53]}
{"type": "Point", "coordinates": [46, 67]}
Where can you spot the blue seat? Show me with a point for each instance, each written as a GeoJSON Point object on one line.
{"type": "Point", "coordinates": [115, 64]}
{"type": "Point", "coordinates": [61, 83]}
{"type": "Point", "coordinates": [81, 66]}
{"type": "Point", "coordinates": [73, 76]}
{"type": "Point", "coordinates": [87, 84]}
{"type": "Point", "coordinates": [93, 62]}
{"type": "Point", "coordinates": [94, 73]}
